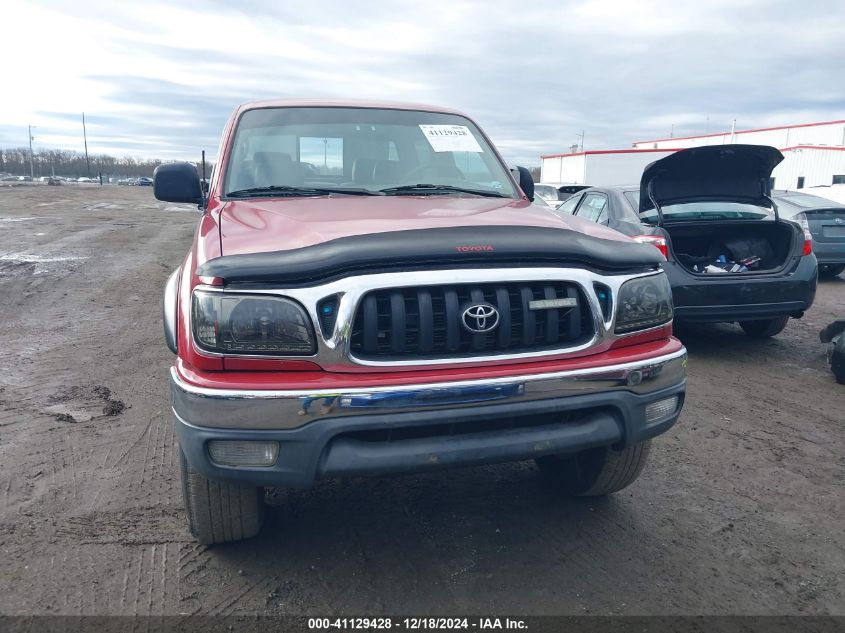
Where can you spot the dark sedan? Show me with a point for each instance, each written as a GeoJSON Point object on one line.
{"type": "Point", "coordinates": [731, 257]}
{"type": "Point", "coordinates": [826, 221]}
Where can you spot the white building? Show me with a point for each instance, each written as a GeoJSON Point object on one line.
{"type": "Point", "coordinates": [826, 133]}
{"type": "Point", "coordinates": [599, 167]}
{"type": "Point", "coordinates": [814, 155]}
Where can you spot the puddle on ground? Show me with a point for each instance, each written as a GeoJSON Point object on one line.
{"type": "Point", "coordinates": [15, 219]}
{"type": "Point", "coordinates": [81, 404]}
{"type": "Point", "coordinates": [180, 208]}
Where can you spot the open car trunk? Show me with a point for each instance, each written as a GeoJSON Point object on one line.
{"type": "Point", "coordinates": [732, 247]}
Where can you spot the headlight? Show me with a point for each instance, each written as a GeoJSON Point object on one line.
{"type": "Point", "coordinates": [643, 303]}
{"type": "Point", "coordinates": [251, 324]}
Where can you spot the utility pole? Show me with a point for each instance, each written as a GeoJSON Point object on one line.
{"type": "Point", "coordinates": [582, 140]}
{"type": "Point", "coordinates": [672, 131]}
{"type": "Point", "coordinates": [85, 136]}
{"type": "Point", "coordinates": [31, 169]}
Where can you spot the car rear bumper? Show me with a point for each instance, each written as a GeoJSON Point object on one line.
{"type": "Point", "coordinates": [409, 429]}
{"type": "Point", "coordinates": [729, 297]}
{"type": "Point", "coordinates": [829, 252]}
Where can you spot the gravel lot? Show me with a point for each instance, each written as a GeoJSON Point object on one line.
{"type": "Point", "coordinates": [740, 512]}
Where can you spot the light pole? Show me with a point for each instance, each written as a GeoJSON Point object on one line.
{"type": "Point", "coordinates": [325, 154]}
{"type": "Point", "coordinates": [85, 137]}
{"type": "Point", "coordinates": [31, 168]}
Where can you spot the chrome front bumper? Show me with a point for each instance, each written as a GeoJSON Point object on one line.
{"type": "Point", "coordinates": [402, 429]}
{"type": "Point", "coordinates": [260, 409]}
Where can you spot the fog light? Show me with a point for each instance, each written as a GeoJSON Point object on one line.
{"type": "Point", "coordinates": [660, 409]}
{"type": "Point", "coordinates": [243, 453]}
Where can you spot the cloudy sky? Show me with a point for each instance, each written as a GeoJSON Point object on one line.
{"type": "Point", "coordinates": [158, 79]}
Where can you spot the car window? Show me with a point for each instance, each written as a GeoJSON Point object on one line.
{"type": "Point", "coordinates": [705, 210]}
{"type": "Point", "coordinates": [547, 192]}
{"type": "Point", "coordinates": [805, 201]}
{"type": "Point", "coordinates": [594, 207]}
{"type": "Point", "coordinates": [693, 211]}
{"type": "Point", "coordinates": [602, 219]}
{"type": "Point", "coordinates": [569, 205]}
{"type": "Point", "coordinates": [633, 198]}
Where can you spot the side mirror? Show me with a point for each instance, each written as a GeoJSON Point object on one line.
{"type": "Point", "coordinates": [177, 182]}
{"type": "Point", "coordinates": [526, 182]}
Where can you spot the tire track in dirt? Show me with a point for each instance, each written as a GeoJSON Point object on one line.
{"type": "Point", "coordinates": [75, 505]}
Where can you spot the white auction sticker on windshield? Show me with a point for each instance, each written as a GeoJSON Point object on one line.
{"type": "Point", "coordinates": [450, 138]}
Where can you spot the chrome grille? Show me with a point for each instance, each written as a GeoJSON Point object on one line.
{"type": "Point", "coordinates": [426, 321]}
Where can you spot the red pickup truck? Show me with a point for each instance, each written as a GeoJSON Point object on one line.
{"type": "Point", "coordinates": [370, 290]}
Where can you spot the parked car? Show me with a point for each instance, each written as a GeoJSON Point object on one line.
{"type": "Point", "coordinates": [567, 191]}
{"type": "Point", "coordinates": [826, 221]}
{"type": "Point", "coordinates": [398, 315]}
{"type": "Point", "coordinates": [556, 193]}
{"type": "Point", "coordinates": [549, 194]}
{"type": "Point", "coordinates": [144, 181]}
{"type": "Point", "coordinates": [730, 255]}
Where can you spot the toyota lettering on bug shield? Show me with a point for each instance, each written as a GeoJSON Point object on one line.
{"type": "Point", "coordinates": [371, 291]}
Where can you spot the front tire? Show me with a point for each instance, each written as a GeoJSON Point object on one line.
{"type": "Point", "coordinates": [595, 471]}
{"type": "Point", "coordinates": [764, 328]}
{"type": "Point", "coordinates": [220, 511]}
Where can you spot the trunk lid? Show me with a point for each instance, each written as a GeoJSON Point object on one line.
{"type": "Point", "coordinates": [737, 174]}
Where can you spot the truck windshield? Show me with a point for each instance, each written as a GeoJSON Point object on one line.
{"type": "Point", "coordinates": [318, 150]}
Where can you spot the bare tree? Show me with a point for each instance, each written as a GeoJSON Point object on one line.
{"type": "Point", "coordinates": [47, 162]}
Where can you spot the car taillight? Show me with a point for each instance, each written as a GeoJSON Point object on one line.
{"type": "Point", "coordinates": [655, 240]}
{"type": "Point", "coordinates": [808, 237]}
{"type": "Point", "coordinates": [808, 246]}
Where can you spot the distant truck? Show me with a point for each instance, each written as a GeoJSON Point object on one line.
{"type": "Point", "coordinates": [371, 291]}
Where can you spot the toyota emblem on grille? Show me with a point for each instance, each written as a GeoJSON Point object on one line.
{"type": "Point", "coordinates": [839, 220]}
{"type": "Point", "coordinates": [480, 318]}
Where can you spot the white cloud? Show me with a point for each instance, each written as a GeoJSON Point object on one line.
{"type": "Point", "coordinates": [160, 78]}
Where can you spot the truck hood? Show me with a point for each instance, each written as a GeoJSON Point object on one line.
{"type": "Point", "coordinates": [258, 226]}
{"type": "Point", "coordinates": [306, 240]}
{"type": "Point", "coordinates": [729, 173]}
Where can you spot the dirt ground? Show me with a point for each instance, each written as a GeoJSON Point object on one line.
{"type": "Point", "coordinates": [740, 512]}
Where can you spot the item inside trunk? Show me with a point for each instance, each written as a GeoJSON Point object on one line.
{"type": "Point", "coordinates": [731, 248]}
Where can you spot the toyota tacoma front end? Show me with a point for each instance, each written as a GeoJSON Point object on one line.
{"type": "Point", "coordinates": [371, 291]}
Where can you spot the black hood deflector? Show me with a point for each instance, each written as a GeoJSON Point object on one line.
{"type": "Point", "coordinates": [448, 247]}
{"type": "Point", "coordinates": [732, 173]}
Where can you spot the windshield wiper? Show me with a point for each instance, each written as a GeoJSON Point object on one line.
{"type": "Point", "coordinates": [287, 190]}
{"type": "Point", "coordinates": [425, 188]}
